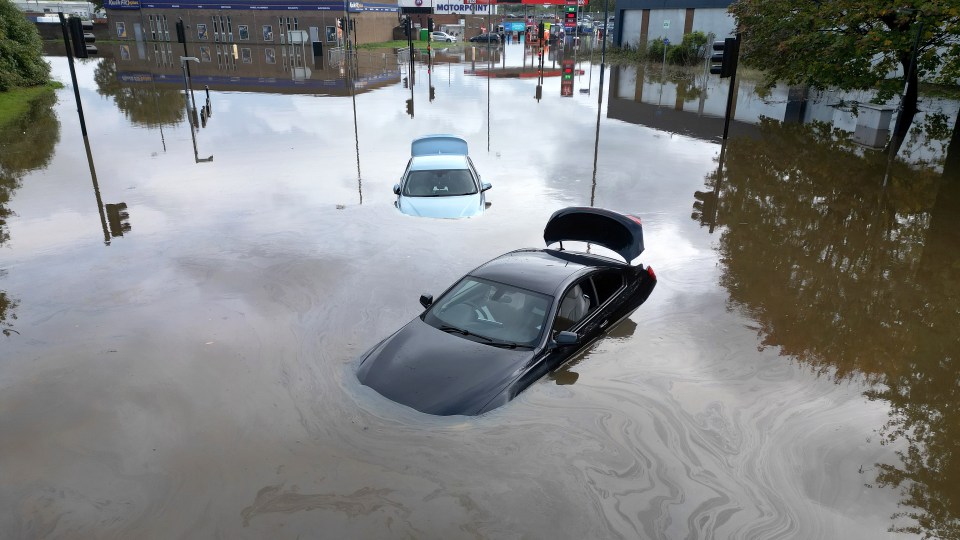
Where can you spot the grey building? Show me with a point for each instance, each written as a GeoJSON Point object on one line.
{"type": "Point", "coordinates": [640, 21]}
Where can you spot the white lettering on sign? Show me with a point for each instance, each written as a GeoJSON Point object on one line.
{"type": "Point", "coordinates": [446, 9]}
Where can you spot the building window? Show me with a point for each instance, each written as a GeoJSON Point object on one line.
{"type": "Point", "coordinates": [205, 53]}
{"type": "Point", "coordinates": [202, 32]}
{"type": "Point", "coordinates": [153, 29]}
{"type": "Point", "coordinates": [124, 52]}
{"type": "Point", "coordinates": [267, 32]}
{"type": "Point", "coordinates": [121, 30]}
{"type": "Point", "coordinates": [244, 32]}
{"type": "Point", "coordinates": [331, 34]}
{"type": "Point", "coordinates": [270, 55]}
{"type": "Point", "coordinates": [245, 56]}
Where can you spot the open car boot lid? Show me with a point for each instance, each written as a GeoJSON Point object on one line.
{"type": "Point", "coordinates": [438, 144]}
{"type": "Point", "coordinates": [617, 232]}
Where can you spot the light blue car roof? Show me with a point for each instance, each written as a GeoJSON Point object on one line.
{"type": "Point", "coordinates": [440, 161]}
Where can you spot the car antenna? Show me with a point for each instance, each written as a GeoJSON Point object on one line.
{"type": "Point", "coordinates": [561, 245]}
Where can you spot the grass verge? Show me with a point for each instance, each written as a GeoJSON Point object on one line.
{"type": "Point", "coordinates": [15, 102]}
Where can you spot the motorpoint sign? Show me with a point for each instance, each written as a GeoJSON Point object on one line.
{"type": "Point", "coordinates": [460, 9]}
{"type": "Point", "coordinates": [448, 7]}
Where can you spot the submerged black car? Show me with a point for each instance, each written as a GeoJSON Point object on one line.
{"type": "Point", "coordinates": [513, 319]}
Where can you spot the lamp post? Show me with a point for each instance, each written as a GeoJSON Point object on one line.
{"type": "Point", "coordinates": [603, 47]}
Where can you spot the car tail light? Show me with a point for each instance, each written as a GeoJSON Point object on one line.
{"type": "Point", "coordinates": [651, 272]}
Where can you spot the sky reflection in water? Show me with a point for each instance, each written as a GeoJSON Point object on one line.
{"type": "Point", "coordinates": [199, 367]}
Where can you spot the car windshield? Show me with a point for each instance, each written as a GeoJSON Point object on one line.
{"type": "Point", "coordinates": [439, 183]}
{"type": "Point", "coordinates": [496, 312]}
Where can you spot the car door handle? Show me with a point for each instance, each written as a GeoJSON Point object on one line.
{"type": "Point", "coordinates": [604, 324]}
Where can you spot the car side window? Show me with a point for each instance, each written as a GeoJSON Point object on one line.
{"type": "Point", "coordinates": [606, 283]}
{"type": "Point", "coordinates": [578, 301]}
{"type": "Point", "coordinates": [406, 171]}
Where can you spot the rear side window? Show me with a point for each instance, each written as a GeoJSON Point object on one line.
{"type": "Point", "coordinates": [607, 283]}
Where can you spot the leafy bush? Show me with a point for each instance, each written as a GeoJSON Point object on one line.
{"type": "Point", "coordinates": [690, 51]}
{"type": "Point", "coordinates": [21, 50]}
{"type": "Point", "coordinates": [654, 50]}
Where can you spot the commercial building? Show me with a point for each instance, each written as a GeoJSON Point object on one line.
{"type": "Point", "coordinates": [221, 27]}
{"type": "Point", "coordinates": [637, 22]}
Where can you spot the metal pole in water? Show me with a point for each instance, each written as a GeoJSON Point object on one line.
{"type": "Point", "coordinates": [73, 74]}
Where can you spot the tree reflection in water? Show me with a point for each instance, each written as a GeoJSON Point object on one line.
{"type": "Point", "coordinates": [26, 144]}
{"type": "Point", "coordinates": [143, 104]}
{"type": "Point", "coordinates": [855, 276]}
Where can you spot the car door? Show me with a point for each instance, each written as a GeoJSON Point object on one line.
{"type": "Point", "coordinates": [594, 301]}
{"type": "Point", "coordinates": [600, 294]}
{"type": "Point", "coordinates": [608, 288]}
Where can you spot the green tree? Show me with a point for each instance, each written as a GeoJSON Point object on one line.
{"type": "Point", "coordinates": [854, 45]}
{"type": "Point", "coordinates": [849, 265]}
{"type": "Point", "coordinates": [143, 103]}
{"type": "Point", "coordinates": [26, 144]}
{"type": "Point", "coordinates": [21, 50]}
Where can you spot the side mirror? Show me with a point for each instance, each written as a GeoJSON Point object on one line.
{"type": "Point", "coordinates": [485, 186]}
{"type": "Point", "coordinates": [426, 300]}
{"type": "Point", "coordinates": [566, 338]}
{"type": "Point", "coordinates": [396, 189]}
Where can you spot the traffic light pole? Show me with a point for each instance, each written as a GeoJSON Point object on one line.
{"type": "Point", "coordinates": [182, 38]}
{"type": "Point", "coordinates": [73, 75]}
{"type": "Point", "coordinates": [731, 93]}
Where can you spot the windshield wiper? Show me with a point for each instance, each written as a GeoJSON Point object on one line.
{"type": "Point", "coordinates": [461, 331]}
{"type": "Point", "coordinates": [504, 344]}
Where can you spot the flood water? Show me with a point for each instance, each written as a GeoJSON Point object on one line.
{"type": "Point", "coordinates": [793, 375]}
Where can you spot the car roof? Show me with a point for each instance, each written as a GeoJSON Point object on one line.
{"type": "Point", "coordinates": [439, 161]}
{"type": "Point", "coordinates": [541, 270]}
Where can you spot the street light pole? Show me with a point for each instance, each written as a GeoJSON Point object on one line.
{"type": "Point", "coordinates": [603, 47]}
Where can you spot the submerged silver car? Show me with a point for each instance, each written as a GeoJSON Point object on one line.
{"type": "Point", "coordinates": [440, 180]}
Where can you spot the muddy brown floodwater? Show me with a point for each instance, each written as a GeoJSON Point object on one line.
{"type": "Point", "coordinates": [793, 374]}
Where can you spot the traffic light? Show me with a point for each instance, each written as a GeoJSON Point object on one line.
{"type": "Point", "coordinates": [723, 61]}
{"type": "Point", "coordinates": [181, 32]}
{"type": "Point", "coordinates": [81, 37]}
{"type": "Point", "coordinates": [540, 30]}
{"type": "Point", "coordinates": [405, 83]}
{"type": "Point", "coordinates": [117, 216]}
{"type": "Point", "coordinates": [410, 107]}
{"type": "Point", "coordinates": [705, 207]}
{"type": "Point", "coordinates": [566, 77]}
{"type": "Point", "coordinates": [432, 93]}
{"type": "Point", "coordinates": [430, 24]}
{"type": "Point", "coordinates": [406, 27]}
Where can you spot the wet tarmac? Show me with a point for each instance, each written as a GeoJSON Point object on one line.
{"type": "Point", "coordinates": [793, 374]}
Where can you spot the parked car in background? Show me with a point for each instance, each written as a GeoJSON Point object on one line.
{"type": "Point", "coordinates": [441, 180]}
{"type": "Point", "coordinates": [443, 36]}
{"type": "Point", "coordinates": [486, 38]}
